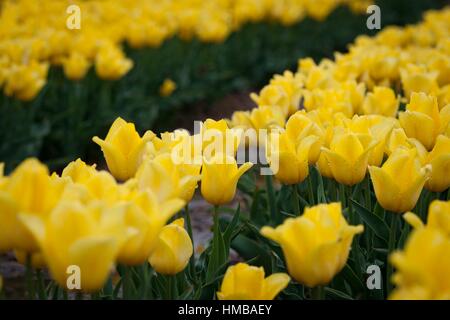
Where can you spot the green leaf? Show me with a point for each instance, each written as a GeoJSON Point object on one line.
{"type": "Point", "coordinates": [337, 294]}
{"type": "Point", "coordinates": [379, 227]}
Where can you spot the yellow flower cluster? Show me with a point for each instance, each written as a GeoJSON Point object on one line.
{"type": "Point", "coordinates": [349, 118]}
{"type": "Point", "coordinates": [84, 217]}
{"type": "Point", "coordinates": [34, 35]}
{"type": "Point", "coordinates": [422, 266]}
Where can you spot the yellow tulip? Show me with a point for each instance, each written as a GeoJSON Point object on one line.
{"type": "Point", "coordinates": [348, 156]}
{"type": "Point", "coordinates": [111, 64]}
{"type": "Point", "coordinates": [273, 96]}
{"type": "Point", "coordinates": [88, 237]}
{"type": "Point", "coordinates": [78, 171]}
{"type": "Point", "coordinates": [417, 80]}
{"type": "Point", "coordinates": [76, 66]}
{"type": "Point", "coordinates": [245, 282]}
{"type": "Point", "coordinates": [399, 182]}
{"type": "Point", "coordinates": [422, 267]}
{"type": "Point", "coordinates": [381, 101]}
{"type": "Point", "coordinates": [167, 179]}
{"type": "Point", "coordinates": [439, 160]}
{"type": "Point", "coordinates": [28, 191]}
{"type": "Point", "coordinates": [397, 138]}
{"type": "Point", "coordinates": [315, 245]}
{"type": "Point", "coordinates": [266, 117]}
{"type": "Point", "coordinates": [220, 175]}
{"type": "Point", "coordinates": [289, 162]}
{"type": "Point", "coordinates": [299, 126]}
{"type": "Point", "coordinates": [378, 127]}
{"type": "Point", "coordinates": [217, 137]}
{"type": "Point", "coordinates": [123, 148]}
{"type": "Point", "coordinates": [26, 81]}
{"type": "Point", "coordinates": [173, 249]}
{"type": "Point", "coordinates": [167, 88]}
{"type": "Point", "coordinates": [145, 214]}
{"type": "Point", "coordinates": [422, 120]}
{"type": "Point", "coordinates": [438, 217]}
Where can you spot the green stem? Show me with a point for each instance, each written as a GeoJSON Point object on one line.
{"type": "Point", "coordinates": [351, 216]}
{"type": "Point", "coordinates": [342, 195]}
{"type": "Point", "coordinates": [367, 194]}
{"type": "Point", "coordinates": [29, 277]}
{"type": "Point", "coordinates": [318, 293]}
{"type": "Point", "coordinates": [271, 198]}
{"type": "Point", "coordinates": [312, 200]}
{"type": "Point", "coordinates": [190, 233]}
{"type": "Point", "coordinates": [295, 200]}
{"type": "Point", "coordinates": [391, 247]}
{"type": "Point", "coordinates": [41, 286]}
{"type": "Point", "coordinates": [126, 284]}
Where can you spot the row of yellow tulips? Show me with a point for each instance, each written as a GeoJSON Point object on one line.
{"type": "Point", "coordinates": [34, 35]}
{"type": "Point", "coordinates": [349, 126]}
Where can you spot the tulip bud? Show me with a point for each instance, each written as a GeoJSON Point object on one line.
{"type": "Point", "coordinates": [245, 282]}
{"type": "Point", "coordinates": [173, 249]}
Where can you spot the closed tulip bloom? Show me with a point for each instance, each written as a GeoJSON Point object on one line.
{"type": "Point", "coordinates": [78, 171]}
{"type": "Point", "coordinates": [76, 66]}
{"type": "Point", "coordinates": [399, 182]}
{"type": "Point", "coordinates": [245, 282]}
{"type": "Point", "coordinates": [381, 101]}
{"type": "Point", "coordinates": [85, 236]}
{"type": "Point", "coordinates": [29, 190]}
{"type": "Point", "coordinates": [422, 267]}
{"type": "Point", "coordinates": [220, 175]}
{"type": "Point", "coordinates": [439, 159]}
{"type": "Point", "coordinates": [123, 148]}
{"type": "Point", "coordinates": [145, 214]}
{"type": "Point", "coordinates": [173, 249]}
{"type": "Point", "coordinates": [291, 160]}
{"type": "Point", "coordinates": [348, 156]}
{"type": "Point", "coordinates": [422, 120]}
{"type": "Point", "coordinates": [315, 245]}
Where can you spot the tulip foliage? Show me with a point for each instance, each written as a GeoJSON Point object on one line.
{"type": "Point", "coordinates": [358, 151]}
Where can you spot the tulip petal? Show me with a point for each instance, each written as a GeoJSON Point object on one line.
{"type": "Point", "coordinates": [274, 284]}
{"type": "Point", "coordinates": [94, 256]}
